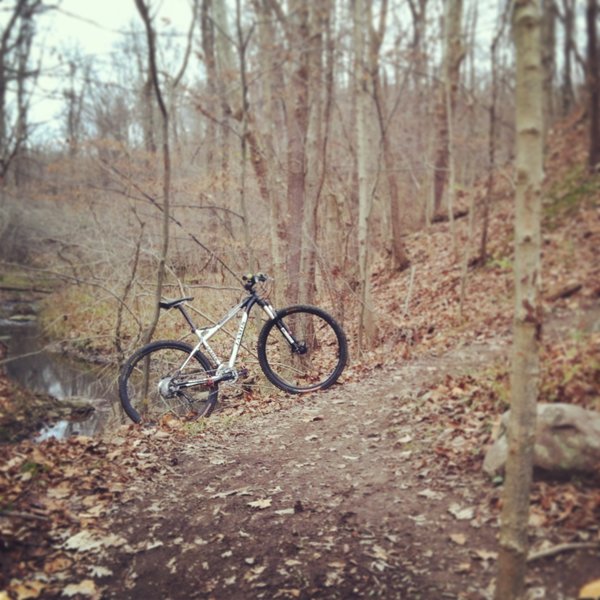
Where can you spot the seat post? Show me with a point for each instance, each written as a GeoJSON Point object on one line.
{"type": "Point", "coordinates": [187, 317]}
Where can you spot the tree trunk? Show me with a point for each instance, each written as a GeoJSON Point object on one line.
{"type": "Point", "coordinates": [448, 90]}
{"type": "Point", "coordinates": [153, 73]}
{"type": "Point", "coordinates": [568, 18]}
{"type": "Point", "coordinates": [316, 143]}
{"type": "Point", "coordinates": [400, 260]}
{"type": "Point", "coordinates": [367, 331]}
{"type": "Point", "coordinates": [263, 147]}
{"type": "Point", "coordinates": [528, 310]}
{"type": "Point", "coordinates": [593, 85]}
{"type": "Point", "coordinates": [15, 51]}
{"type": "Point", "coordinates": [298, 112]}
{"type": "Point", "coordinates": [548, 60]}
{"type": "Point", "coordinates": [489, 188]}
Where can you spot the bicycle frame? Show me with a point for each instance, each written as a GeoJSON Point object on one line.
{"type": "Point", "coordinates": [225, 371]}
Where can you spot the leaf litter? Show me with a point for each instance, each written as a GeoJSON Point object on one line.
{"type": "Point", "coordinates": [62, 502]}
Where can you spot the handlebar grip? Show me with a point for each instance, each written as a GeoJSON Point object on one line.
{"type": "Point", "coordinates": [250, 280]}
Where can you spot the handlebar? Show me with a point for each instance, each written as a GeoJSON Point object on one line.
{"type": "Point", "coordinates": [251, 279]}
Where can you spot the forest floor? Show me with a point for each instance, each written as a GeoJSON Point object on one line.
{"type": "Point", "coordinates": [373, 488]}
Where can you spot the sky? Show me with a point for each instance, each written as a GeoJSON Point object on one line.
{"type": "Point", "coordinates": [96, 25]}
{"type": "Point", "coordinates": [92, 26]}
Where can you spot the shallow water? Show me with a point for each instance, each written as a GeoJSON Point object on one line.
{"type": "Point", "coordinates": [30, 364]}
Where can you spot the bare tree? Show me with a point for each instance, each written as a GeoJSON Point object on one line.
{"type": "Point", "coordinates": [320, 100]}
{"type": "Point", "coordinates": [448, 91]}
{"type": "Point", "coordinates": [491, 136]}
{"type": "Point", "coordinates": [15, 48]}
{"type": "Point", "coordinates": [74, 96]}
{"type": "Point", "coordinates": [367, 326]}
{"type": "Point", "coordinates": [528, 309]}
{"type": "Point", "coordinates": [166, 156]}
{"type": "Point", "coordinates": [567, 16]}
{"type": "Point", "coordinates": [400, 260]}
{"type": "Point", "coordinates": [548, 59]}
{"type": "Point", "coordinates": [593, 80]}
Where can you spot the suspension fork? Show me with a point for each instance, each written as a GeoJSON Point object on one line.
{"type": "Point", "coordinates": [296, 347]}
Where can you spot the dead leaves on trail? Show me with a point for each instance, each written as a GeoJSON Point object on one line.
{"type": "Point", "coordinates": [54, 497]}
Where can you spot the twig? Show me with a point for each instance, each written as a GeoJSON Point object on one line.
{"type": "Point", "coordinates": [22, 515]}
{"type": "Point", "coordinates": [558, 549]}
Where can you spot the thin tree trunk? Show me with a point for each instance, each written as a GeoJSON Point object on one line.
{"type": "Point", "coordinates": [453, 57]}
{"type": "Point", "coordinates": [548, 59]}
{"type": "Point", "coordinates": [153, 71]}
{"type": "Point", "coordinates": [367, 331]}
{"type": "Point", "coordinates": [528, 313]}
{"type": "Point", "coordinates": [400, 260]}
{"type": "Point", "coordinates": [491, 140]}
{"type": "Point", "coordinates": [568, 18]}
{"type": "Point", "coordinates": [298, 113]}
{"type": "Point", "coordinates": [316, 143]}
{"type": "Point", "coordinates": [593, 85]}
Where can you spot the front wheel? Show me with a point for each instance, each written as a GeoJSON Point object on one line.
{"type": "Point", "coordinates": [302, 349]}
{"type": "Point", "coordinates": [153, 383]}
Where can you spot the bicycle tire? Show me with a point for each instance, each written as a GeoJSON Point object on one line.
{"type": "Point", "coordinates": [325, 350]}
{"type": "Point", "coordinates": [164, 357]}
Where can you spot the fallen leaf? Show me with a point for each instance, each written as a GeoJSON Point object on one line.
{"type": "Point", "coordinates": [332, 578]}
{"type": "Point", "coordinates": [590, 590]}
{"type": "Point", "coordinates": [59, 563]}
{"type": "Point", "coordinates": [380, 553]}
{"type": "Point", "coordinates": [254, 573]}
{"type": "Point", "coordinates": [430, 494]}
{"type": "Point", "coordinates": [463, 568]}
{"type": "Point", "coordinates": [87, 587]}
{"type": "Point", "coordinates": [85, 541]}
{"type": "Point", "coordinates": [64, 490]}
{"type": "Point", "coordinates": [285, 511]}
{"type": "Point", "coordinates": [292, 562]}
{"type": "Point", "coordinates": [153, 544]}
{"type": "Point", "coordinates": [458, 538]}
{"type": "Point", "coordinates": [486, 554]}
{"type": "Point", "coordinates": [27, 589]}
{"type": "Point", "coordinates": [99, 571]}
{"type": "Point", "coordinates": [462, 514]}
{"type": "Point", "coordinates": [293, 592]}
{"type": "Point", "coordinates": [261, 503]}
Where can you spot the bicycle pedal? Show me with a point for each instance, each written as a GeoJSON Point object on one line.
{"type": "Point", "coordinates": [243, 373]}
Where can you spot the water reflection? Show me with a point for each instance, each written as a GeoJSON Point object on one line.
{"type": "Point", "coordinates": [44, 372]}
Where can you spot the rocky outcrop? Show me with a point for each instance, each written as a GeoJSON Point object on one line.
{"type": "Point", "coordinates": [567, 441]}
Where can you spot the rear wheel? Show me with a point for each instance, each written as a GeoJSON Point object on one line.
{"type": "Point", "coordinates": [150, 383]}
{"type": "Point", "coordinates": [316, 357]}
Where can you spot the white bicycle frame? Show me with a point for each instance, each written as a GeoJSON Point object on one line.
{"type": "Point", "coordinates": [226, 371]}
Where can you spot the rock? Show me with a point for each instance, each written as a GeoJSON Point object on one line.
{"type": "Point", "coordinates": [567, 441]}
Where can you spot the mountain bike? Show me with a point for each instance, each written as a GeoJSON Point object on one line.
{"type": "Point", "coordinates": [300, 349]}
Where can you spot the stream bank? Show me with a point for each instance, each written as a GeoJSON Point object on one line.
{"type": "Point", "coordinates": [43, 393]}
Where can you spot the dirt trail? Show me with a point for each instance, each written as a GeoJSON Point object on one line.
{"type": "Point", "coordinates": [340, 495]}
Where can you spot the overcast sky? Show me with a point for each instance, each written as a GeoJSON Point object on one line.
{"type": "Point", "coordinates": [96, 25]}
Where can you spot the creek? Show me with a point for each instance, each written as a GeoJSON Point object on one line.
{"type": "Point", "coordinates": [34, 367]}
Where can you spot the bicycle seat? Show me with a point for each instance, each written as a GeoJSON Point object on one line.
{"type": "Point", "coordinates": [167, 304]}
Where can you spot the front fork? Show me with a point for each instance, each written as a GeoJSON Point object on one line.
{"type": "Point", "coordinates": [297, 347]}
